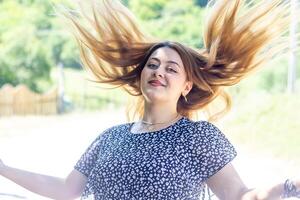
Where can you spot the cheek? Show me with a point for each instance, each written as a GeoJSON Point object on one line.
{"type": "Point", "coordinates": [143, 76]}
{"type": "Point", "coordinates": [145, 72]}
{"type": "Point", "coordinates": [174, 85]}
{"type": "Point", "coordinates": [175, 81]}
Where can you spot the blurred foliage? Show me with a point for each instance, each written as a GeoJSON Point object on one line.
{"type": "Point", "coordinates": [168, 20]}
{"type": "Point", "coordinates": [23, 57]}
{"type": "Point", "coordinates": [32, 41]}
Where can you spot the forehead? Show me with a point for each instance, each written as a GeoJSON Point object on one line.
{"type": "Point", "coordinates": [167, 54]}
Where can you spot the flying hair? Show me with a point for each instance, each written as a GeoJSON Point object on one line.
{"type": "Point", "coordinates": [239, 37]}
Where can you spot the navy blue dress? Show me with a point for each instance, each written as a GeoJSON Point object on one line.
{"type": "Point", "coordinates": [172, 163]}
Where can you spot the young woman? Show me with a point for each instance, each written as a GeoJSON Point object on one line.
{"type": "Point", "coordinates": [165, 154]}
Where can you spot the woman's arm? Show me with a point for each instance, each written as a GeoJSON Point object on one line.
{"type": "Point", "coordinates": [48, 186]}
{"type": "Point", "coordinates": [227, 185]}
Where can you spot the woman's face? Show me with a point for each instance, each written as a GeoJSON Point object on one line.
{"type": "Point", "coordinates": [163, 78]}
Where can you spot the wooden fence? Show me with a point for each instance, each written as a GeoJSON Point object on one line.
{"type": "Point", "coordinates": [20, 100]}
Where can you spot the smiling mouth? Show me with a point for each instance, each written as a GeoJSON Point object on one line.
{"type": "Point", "coordinates": [156, 83]}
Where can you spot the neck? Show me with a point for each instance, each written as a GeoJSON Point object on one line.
{"type": "Point", "coordinates": [159, 113]}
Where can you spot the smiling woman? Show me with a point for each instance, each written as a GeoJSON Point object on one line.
{"type": "Point", "coordinates": [165, 154]}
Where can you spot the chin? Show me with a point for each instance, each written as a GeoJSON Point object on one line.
{"type": "Point", "coordinates": [152, 96]}
{"type": "Point", "coordinates": [155, 99]}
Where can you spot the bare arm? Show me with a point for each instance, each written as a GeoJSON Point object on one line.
{"type": "Point", "coordinates": [227, 185]}
{"type": "Point", "coordinates": [48, 186]}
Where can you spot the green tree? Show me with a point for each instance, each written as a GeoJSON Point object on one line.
{"type": "Point", "coordinates": [23, 57]}
{"type": "Point", "coordinates": [32, 40]}
{"type": "Point", "coordinates": [180, 21]}
{"type": "Point", "coordinates": [148, 9]}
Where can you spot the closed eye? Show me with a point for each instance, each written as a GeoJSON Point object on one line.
{"type": "Point", "coordinates": [172, 70]}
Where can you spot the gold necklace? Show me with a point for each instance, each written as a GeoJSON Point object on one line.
{"type": "Point", "coordinates": [151, 125]}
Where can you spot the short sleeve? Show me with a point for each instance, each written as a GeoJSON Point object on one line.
{"type": "Point", "coordinates": [211, 150]}
{"type": "Point", "coordinates": [89, 158]}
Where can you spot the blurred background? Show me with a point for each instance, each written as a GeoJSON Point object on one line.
{"type": "Point", "coordinates": [47, 103]}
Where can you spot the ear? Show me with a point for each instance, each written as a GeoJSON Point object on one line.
{"type": "Point", "coordinates": [187, 88]}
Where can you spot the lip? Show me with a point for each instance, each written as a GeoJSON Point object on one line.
{"type": "Point", "coordinates": [156, 83]}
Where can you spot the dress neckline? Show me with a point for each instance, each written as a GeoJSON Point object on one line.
{"type": "Point", "coordinates": [154, 132]}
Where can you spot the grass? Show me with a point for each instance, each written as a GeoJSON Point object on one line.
{"type": "Point", "coordinates": [266, 122]}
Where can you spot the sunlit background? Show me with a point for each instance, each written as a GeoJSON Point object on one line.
{"type": "Point", "coordinates": [50, 112]}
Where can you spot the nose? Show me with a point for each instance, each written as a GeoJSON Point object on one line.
{"type": "Point", "coordinates": [157, 73]}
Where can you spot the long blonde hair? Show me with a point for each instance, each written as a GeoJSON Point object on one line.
{"type": "Point", "coordinates": [238, 38]}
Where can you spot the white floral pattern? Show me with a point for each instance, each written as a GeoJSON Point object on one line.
{"type": "Point", "coordinates": [172, 163]}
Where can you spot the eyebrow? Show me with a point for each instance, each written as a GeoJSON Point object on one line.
{"type": "Point", "coordinates": [169, 61]}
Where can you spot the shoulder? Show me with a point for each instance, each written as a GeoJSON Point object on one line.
{"type": "Point", "coordinates": [209, 133]}
{"type": "Point", "coordinates": [205, 128]}
{"type": "Point", "coordinates": [117, 127]}
{"type": "Point", "coordinates": [210, 129]}
{"type": "Point", "coordinates": [208, 136]}
{"type": "Point", "coordinates": [200, 127]}
{"type": "Point", "coordinates": [202, 124]}
{"type": "Point", "coordinates": [110, 131]}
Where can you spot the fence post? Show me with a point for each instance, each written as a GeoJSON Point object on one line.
{"type": "Point", "coordinates": [293, 45]}
{"type": "Point", "coordinates": [61, 87]}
